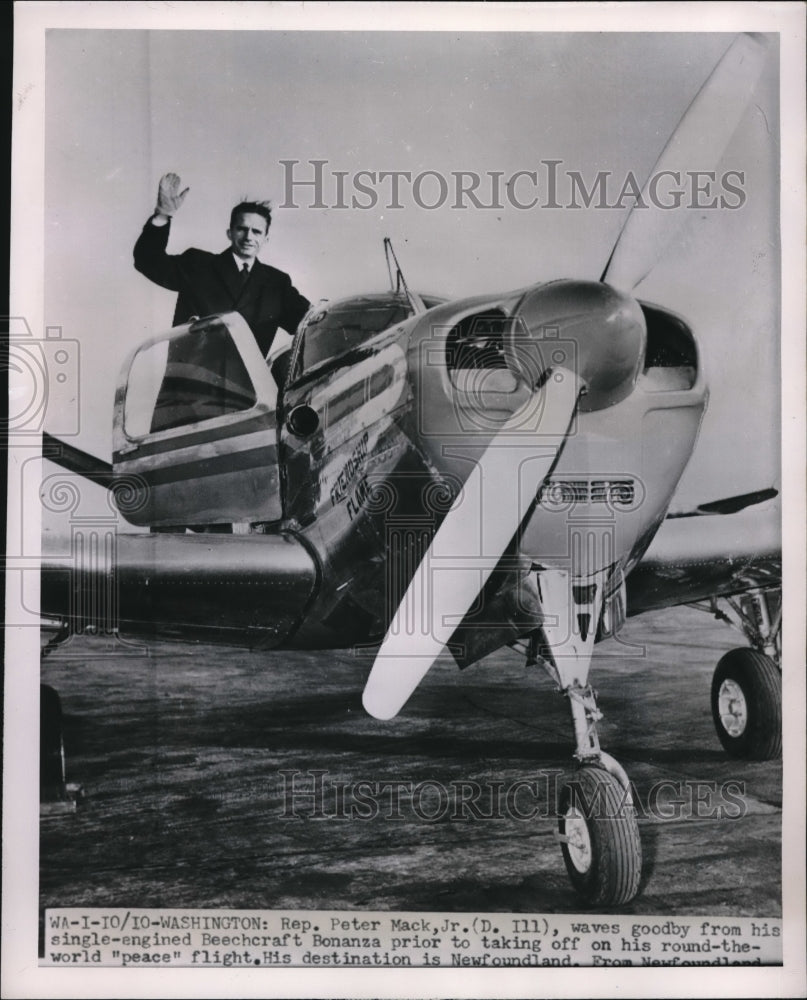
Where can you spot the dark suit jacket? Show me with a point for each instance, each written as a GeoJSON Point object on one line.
{"type": "Point", "coordinates": [210, 283]}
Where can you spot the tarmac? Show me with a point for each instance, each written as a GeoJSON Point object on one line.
{"type": "Point", "coordinates": [214, 778]}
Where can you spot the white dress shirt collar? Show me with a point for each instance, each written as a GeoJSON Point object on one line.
{"type": "Point", "coordinates": [239, 262]}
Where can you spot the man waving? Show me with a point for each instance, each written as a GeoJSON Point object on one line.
{"type": "Point", "coordinates": [233, 280]}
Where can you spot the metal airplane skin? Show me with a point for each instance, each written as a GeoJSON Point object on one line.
{"type": "Point", "coordinates": [427, 475]}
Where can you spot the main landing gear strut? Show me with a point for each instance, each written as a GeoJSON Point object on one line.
{"type": "Point", "coordinates": [597, 825]}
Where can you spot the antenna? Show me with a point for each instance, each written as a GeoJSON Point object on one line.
{"type": "Point", "coordinates": [387, 251]}
{"type": "Point", "coordinates": [399, 282]}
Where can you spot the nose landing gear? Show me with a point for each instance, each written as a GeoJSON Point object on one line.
{"type": "Point", "coordinates": [597, 825]}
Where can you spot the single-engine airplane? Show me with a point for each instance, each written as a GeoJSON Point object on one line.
{"type": "Point", "coordinates": [428, 474]}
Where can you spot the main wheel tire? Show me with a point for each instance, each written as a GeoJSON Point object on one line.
{"type": "Point", "coordinates": [747, 704]}
{"type": "Point", "coordinates": [600, 838]}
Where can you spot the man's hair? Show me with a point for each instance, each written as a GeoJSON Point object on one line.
{"type": "Point", "coordinates": [262, 208]}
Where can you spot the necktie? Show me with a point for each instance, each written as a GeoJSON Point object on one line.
{"type": "Point", "coordinates": [244, 275]}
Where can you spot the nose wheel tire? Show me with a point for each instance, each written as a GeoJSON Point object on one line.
{"type": "Point", "coordinates": [747, 704]}
{"type": "Point", "coordinates": [599, 837]}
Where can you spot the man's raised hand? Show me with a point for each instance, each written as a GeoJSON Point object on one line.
{"type": "Point", "coordinates": [169, 197]}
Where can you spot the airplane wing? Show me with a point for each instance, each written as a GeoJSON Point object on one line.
{"type": "Point", "coordinates": [707, 553]}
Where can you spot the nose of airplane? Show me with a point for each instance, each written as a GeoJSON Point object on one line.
{"type": "Point", "coordinates": [587, 327]}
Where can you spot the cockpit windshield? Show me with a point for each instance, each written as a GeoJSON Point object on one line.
{"type": "Point", "coordinates": [341, 326]}
{"type": "Point", "coordinates": [335, 328]}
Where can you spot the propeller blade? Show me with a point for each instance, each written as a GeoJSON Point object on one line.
{"type": "Point", "coordinates": [698, 143]}
{"type": "Point", "coordinates": [468, 544]}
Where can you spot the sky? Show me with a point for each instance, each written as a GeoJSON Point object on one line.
{"type": "Point", "coordinates": [224, 108]}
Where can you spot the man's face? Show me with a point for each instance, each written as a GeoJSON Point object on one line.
{"type": "Point", "coordinates": [248, 235]}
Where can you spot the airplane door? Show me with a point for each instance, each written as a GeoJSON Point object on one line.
{"type": "Point", "coordinates": [195, 429]}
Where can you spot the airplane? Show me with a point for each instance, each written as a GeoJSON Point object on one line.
{"type": "Point", "coordinates": [414, 474]}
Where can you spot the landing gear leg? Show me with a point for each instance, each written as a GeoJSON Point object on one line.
{"type": "Point", "coordinates": [597, 825]}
